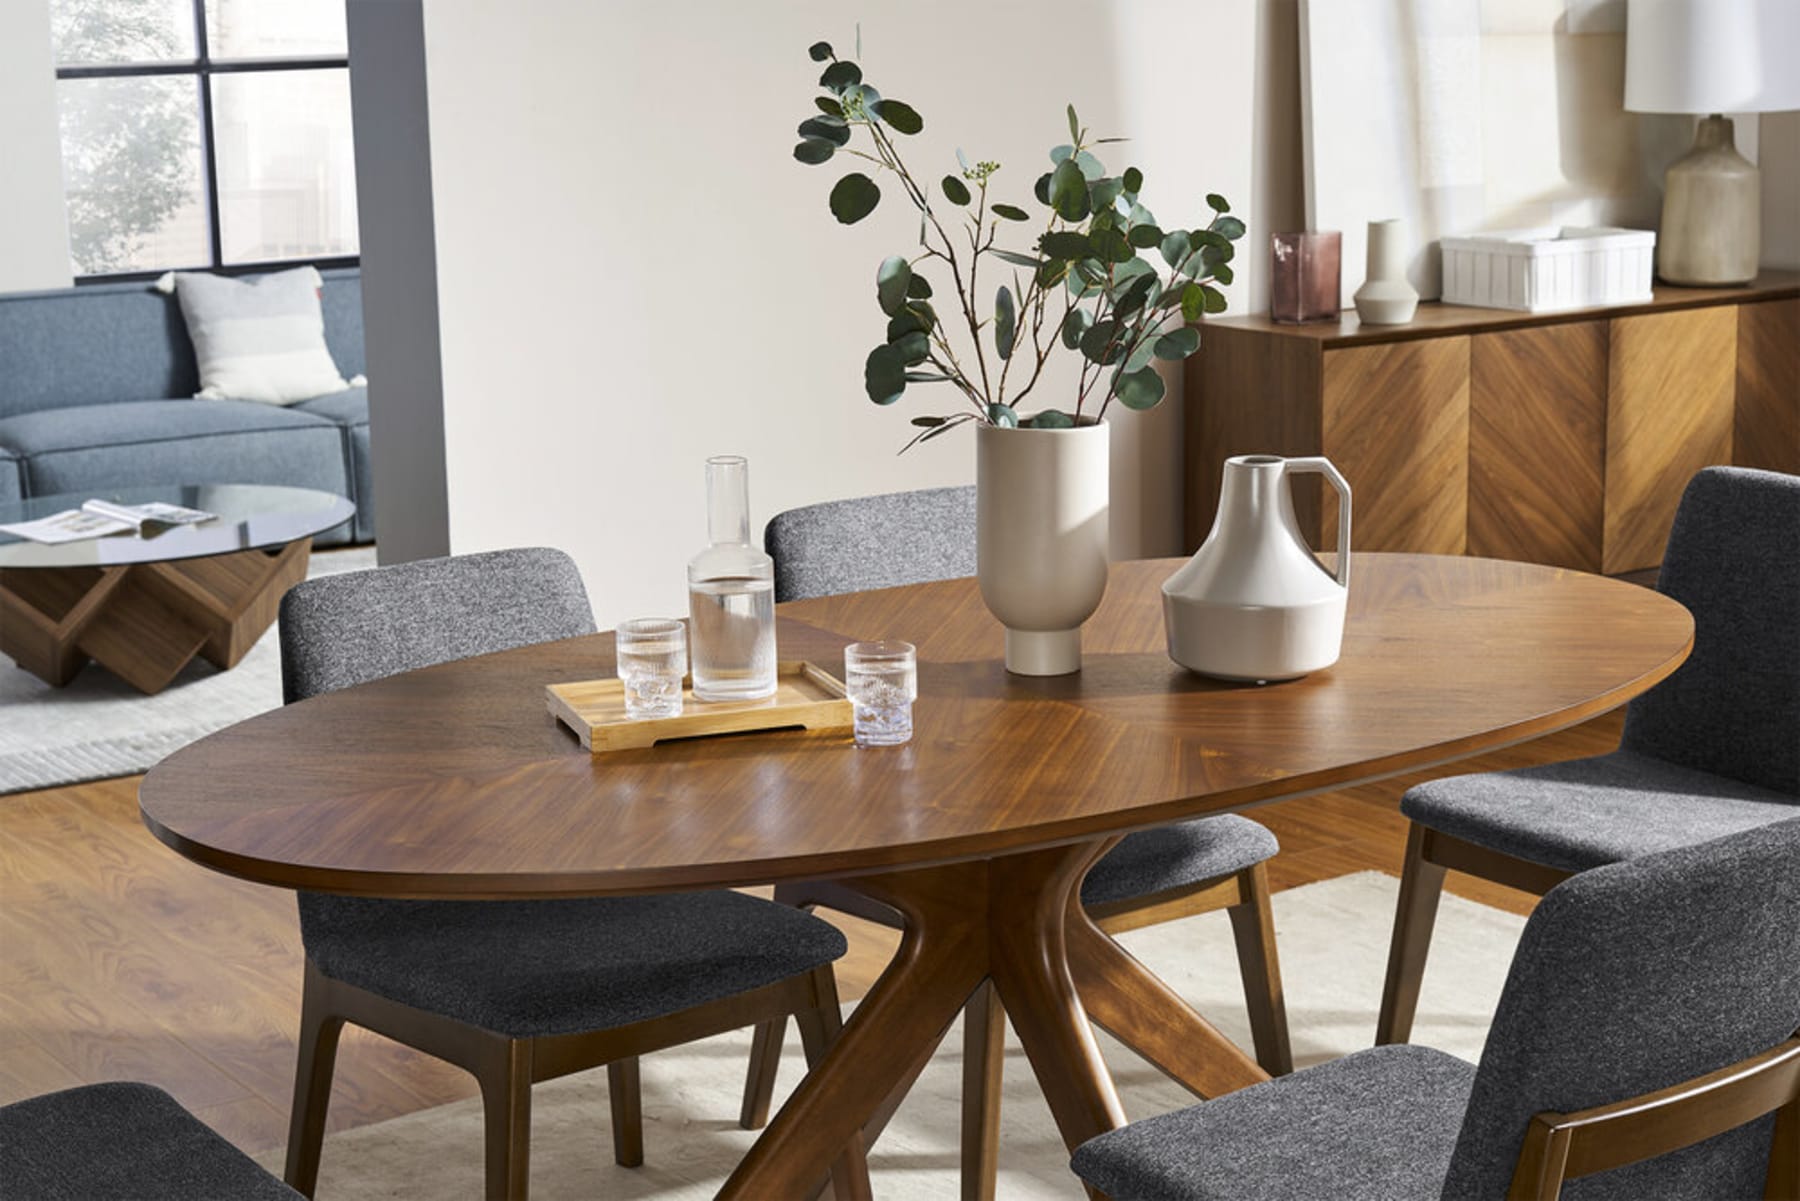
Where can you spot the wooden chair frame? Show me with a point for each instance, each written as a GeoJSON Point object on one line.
{"type": "Point", "coordinates": [1429, 854]}
{"type": "Point", "coordinates": [1244, 895]}
{"type": "Point", "coordinates": [1564, 1146]}
{"type": "Point", "coordinates": [506, 1068]}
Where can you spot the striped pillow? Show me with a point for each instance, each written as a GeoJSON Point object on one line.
{"type": "Point", "coordinates": [257, 339]}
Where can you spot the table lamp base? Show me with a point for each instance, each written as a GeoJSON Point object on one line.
{"type": "Point", "coordinates": [1711, 230]}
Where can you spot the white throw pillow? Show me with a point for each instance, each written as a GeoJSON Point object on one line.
{"type": "Point", "coordinates": [257, 339]}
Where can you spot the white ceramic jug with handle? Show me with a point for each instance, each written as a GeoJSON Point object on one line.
{"type": "Point", "coordinates": [1254, 603]}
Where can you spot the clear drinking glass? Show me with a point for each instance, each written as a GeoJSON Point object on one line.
{"type": "Point", "coordinates": [652, 658]}
{"type": "Point", "coordinates": [882, 681]}
{"type": "Point", "coordinates": [731, 594]}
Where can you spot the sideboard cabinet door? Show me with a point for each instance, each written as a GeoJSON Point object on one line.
{"type": "Point", "coordinates": [1768, 387]}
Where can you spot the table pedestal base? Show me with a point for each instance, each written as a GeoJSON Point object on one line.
{"type": "Point", "coordinates": [1016, 922]}
{"type": "Point", "coordinates": [144, 621]}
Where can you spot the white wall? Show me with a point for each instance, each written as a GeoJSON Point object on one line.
{"type": "Point", "coordinates": [34, 233]}
{"type": "Point", "coordinates": [633, 273]}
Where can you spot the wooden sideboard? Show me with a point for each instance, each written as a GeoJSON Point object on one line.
{"type": "Point", "coordinates": [1562, 438]}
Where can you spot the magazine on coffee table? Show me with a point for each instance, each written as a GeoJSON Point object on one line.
{"type": "Point", "coordinates": [98, 518]}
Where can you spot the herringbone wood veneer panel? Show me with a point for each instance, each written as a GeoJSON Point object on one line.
{"type": "Point", "coordinates": [1670, 410]}
{"type": "Point", "coordinates": [1537, 444]}
{"type": "Point", "coordinates": [1396, 423]}
{"type": "Point", "coordinates": [1768, 387]}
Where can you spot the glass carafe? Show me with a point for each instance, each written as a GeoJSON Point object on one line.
{"type": "Point", "coordinates": [731, 595]}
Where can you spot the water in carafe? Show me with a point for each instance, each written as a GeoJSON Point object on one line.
{"type": "Point", "coordinates": [731, 595]}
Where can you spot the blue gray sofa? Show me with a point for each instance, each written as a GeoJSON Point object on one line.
{"type": "Point", "coordinates": [97, 387]}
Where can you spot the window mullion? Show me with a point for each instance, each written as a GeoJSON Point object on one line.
{"type": "Point", "coordinates": [209, 150]}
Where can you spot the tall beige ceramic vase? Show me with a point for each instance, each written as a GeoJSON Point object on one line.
{"type": "Point", "coordinates": [1041, 544]}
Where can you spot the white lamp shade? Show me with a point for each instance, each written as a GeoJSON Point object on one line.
{"type": "Point", "coordinates": [1712, 56]}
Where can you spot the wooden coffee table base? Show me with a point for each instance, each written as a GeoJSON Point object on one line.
{"type": "Point", "coordinates": [144, 622]}
{"type": "Point", "coordinates": [1017, 922]}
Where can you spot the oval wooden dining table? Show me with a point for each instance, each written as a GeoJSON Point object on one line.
{"type": "Point", "coordinates": [454, 782]}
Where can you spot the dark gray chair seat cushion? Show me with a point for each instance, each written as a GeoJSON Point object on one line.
{"type": "Point", "coordinates": [122, 1142]}
{"type": "Point", "coordinates": [1152, 861]}
{"type": "Point", "coordinates": [873, 542]}
{"type": "Point", "coordinates": [105, 446]}
{"type": "Point", "coordinates": [349, 410]}
{"type": "Point", "coordinates": [1379, 1125]}
{"type": "Point", "coordinates": [12, 476]}
{"type": "Point", "coordinates": [1589, 812]}
{"type": "Point", "coordinates": [528, 969]}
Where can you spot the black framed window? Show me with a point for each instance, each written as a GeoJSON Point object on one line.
{"type": "Point", "coordinates": [204, 134]}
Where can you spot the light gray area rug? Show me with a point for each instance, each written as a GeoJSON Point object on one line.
{"type": "Point", "coordinates": [99, 726]}
{"type": "Point", "coordinates": [1333, 938]}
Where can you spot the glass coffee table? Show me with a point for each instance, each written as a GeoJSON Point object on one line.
{"type": "Point", "coordinates": [143, 606]}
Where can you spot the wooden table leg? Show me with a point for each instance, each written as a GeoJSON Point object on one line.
{"type": "Point", "coordinates": [1130, 1002]}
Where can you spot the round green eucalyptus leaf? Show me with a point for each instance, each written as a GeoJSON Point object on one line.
{"type": "Point", "coordinates": [913, 348]}
{"type": "Point", "coordinates": [1051, 273]}
{"type": "Point", "coordinates": [1010, 212]}
{"type": "Point", "coordinates": [906, 321]}
{"type": "Point", "coordinates": [1003, 416]}
{"type": "Point", "coordinates": [839, 76]}
{"type": "Point", "coordinates": [955, 190]}
{"type": "Point", "coordinates": [1133, 180]}
{"type": "Point", "coordinates": [831, 129]}
{"type": "Point", "coordinates": [814, 151]}
{"type": "Point", "coordinates": [1230, 227]}
{"type": "Point", "coordinates": [1145, 236]}
{"type": "Point", "coordinates": [1134, 295]}
{"type": "Point", "coordinates": [900, 116]}
{"type": "Point", "coordinates": [1059, 153]}
{"type": "Point", "coordinates": [1091, 167]}
{"type": "Point", "coordinates": [1041, 189]}
{"type": "Point", "coordinates": [1068, 191]}
{"type": "Point", "coordinates": [1176, 248]}
{"type": "Point", "coordinates": [1074, 326]}
{"type": "Point", "coordinates": [884, 375]}
{"type": "Point", "coordinates": [820, 51]}
{"type": "Point", "coordinates": [1049, 419]}
{"type": "Point", "coordinates": [1223, 274]}
{"type": "Point", "coordinates": [854, 197]}
{"type": "Point", "coordinates": [1193, 302]}
{"type": "Point", "coordinates": [892, 279]}
{"type": "Point", "coordinates": [1097, 344]}
{"type": "Point", "coordinates": [1178, 343]}
{"type": "Point", "coordinates": [1067, 244]}
{"type": "Point", "coordinates": [1141, 216]}
{"type": "Point", "coordinates": [1215, 299]}
{"type": "Point", "coordinates": [1140, 356]}
{"type": "Point", "coordinates": [928, 422]}
{"type": "Point", "coordinates": [919, 288]}
{"type": "Point", "coordinates": [1141, 389]}
{"type": "Point", "coordinates": [1217, 203]}
{"type": "Point", "coordinates": [829, 107]}
{"type": "Point", "coordinates": [1006, 322]}
{"type": "Point", "coordinates": [1125, 272]}
{"type": "Point", "coordinates": [1111, 246]}
{"type": "Point", "coordinates": [862, 97]}
{"type": "Point", "coordinates": [1104, 193]}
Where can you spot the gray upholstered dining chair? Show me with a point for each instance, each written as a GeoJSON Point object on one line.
{"type": "Point", "coordinates": [517, 992]}
{"type": "Point", "coordinates": [1152, 876]}
{"type": "Point", "coordinates": [122, 1142]}
{"type": "Point", "coordinates": [1712, 749]}
{"type": "Point", "coordinates": [1646, 1033]}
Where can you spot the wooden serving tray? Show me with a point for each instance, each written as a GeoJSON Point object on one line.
{"type": "Point", "coordinates": [805, 695]}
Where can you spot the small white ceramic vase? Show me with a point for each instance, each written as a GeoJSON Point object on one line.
{"type": "Point", "coordinates": [1387, 297]}
{"type": "Point", "coordinates": [1041, 539]}
{"type": "Point", "coordinates": [1254, 603]}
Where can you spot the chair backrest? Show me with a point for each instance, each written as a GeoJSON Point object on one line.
{"type": "Point", "coordinates": [362, 625]}
{"type": "Point", "coordinates": [1636, 977]}
{"type": "Point", "coordinates": [873, 542]}
{"type": "Point", "coordinates": [1733, 559]}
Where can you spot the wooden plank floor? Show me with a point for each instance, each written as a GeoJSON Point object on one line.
{"type": "Point", "coordinates": [120, 960]}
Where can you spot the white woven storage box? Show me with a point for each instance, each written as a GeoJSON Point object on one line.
{"type": "Point", "coordinates": [1536, 270]}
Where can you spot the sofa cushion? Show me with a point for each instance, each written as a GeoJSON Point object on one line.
{"type": "Point", "coordinates": [175, 442]}
{"type": "Point", "coordinates": [105, 343]}
{"type": "Point", "coordinates": [350, 411]}
{"type": "Point", "coordinates": [12, 477]}
{"type": "Point", "coordinates": [260, 338]}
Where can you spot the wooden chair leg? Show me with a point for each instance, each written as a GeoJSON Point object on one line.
{"type": "Point", "coordinates": [623, 1088]}
{"type": "Point", "coordinates": [1783, 1182]}
{"type": "Point", "coordinates": [984, 1049]}
{"type": "Point", "coordinates": [759, 1084]}
{"type": "Point", "coordinates": [505, 1079]}
{"type": "Point", "coordinates": [1253, 925]}
{"type": "Point", "coordinates": [318, 1042]}
{"type": "Point", "coordinates": [819, 1028]}
{"type": "Point", "coordinates": [1421, 884]}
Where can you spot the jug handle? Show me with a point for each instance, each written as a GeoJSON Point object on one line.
{"type": "Point", "coordinates": [1322, 466]}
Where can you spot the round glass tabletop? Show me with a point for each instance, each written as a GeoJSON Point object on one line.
{"type": "Point", "coordinates": [249, 516]}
